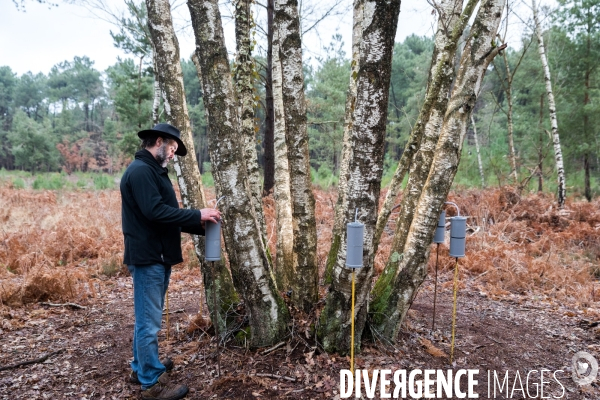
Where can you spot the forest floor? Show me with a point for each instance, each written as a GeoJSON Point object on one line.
{"type": "Point", "coordinates": [528, 300]}
{"type": "Point", "coordinates": [91, 349]}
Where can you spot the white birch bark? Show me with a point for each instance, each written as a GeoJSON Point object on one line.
{"type": "Point", "coordinates": [244, 82]}
{"type": "Point", "coordinates": [302, 277]}
{"type": "Point", "coordinates": [250, 266]}
{"type": "Point", "coordinates": [338, 222]}
{"type": "Point", "coordinates": [560, 169]}
{"type": "Point", "coordinates": [281, 188]}
{"type": "Point", "coordinates": [448, 34]}
{"type": "Point", "coordinates": [444, 49]}
{"type": "Point", "coordinates": [390, 306]}
{"type": "Point", "coordinates": [157, 95]}
{"type": "Point", "coordinates": [169, 75]}
{"type": "Point", "coordinates": [479, 163]}
{"type": "Point", "coordinates": [365, 169]}
{"type": "Point", "coordinates": [509, 115]}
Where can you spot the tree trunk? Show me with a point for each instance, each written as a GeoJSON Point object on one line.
{"type": "Point", "coordinates": [479, 163]}
{"type": "Point", "coordinates": [397, 286]}
{"type": "Point", "coordinates": [157, 93]}
{"type": "Point", "coordinates": [560, 169]}
{"type": "Point", "coordinates": [423, 157]}
{"type": "Point", "coordinates": [169, 75]}
{"type": "Point", "coordinates": [86, 108]}
{"type": "Point", "coordinates": [586, 101]}
{"type": "Point", "coordinates": [203, 137]}
{"type": "Point", "coordinates": [244, 81]}
{"type": "Point", "coordinates": [139, 94]}
{"type": "Point", "coordinates": [281, 188]}
{"type": "Point", "coordinates": [541, 147]}
{"type": "Point", "coordinates": [340, 214]}
{"type": "Point", "coordinates": [249, 262]}
{"type": "Point", "coordinates": [365, 169]}
{"type": "Point", "coordinates": [302, 275]}
{"type": "Point", "coordinates": [268, 141]}
{"type": "Point", "coordinates": [509, 115]}
{"type": "Point", "coordinates": [446, 40]}
{"type": "Point", "coordinates": [586, 167]}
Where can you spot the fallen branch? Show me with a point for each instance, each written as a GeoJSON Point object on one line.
{"type": "Point", "coordinates": [497, 341]}
{"type": "Point", "coordinates": [36, 361]}
{"type": "Point", "coordinates": [278, 345]}
{"type": "Point", "coordinates": [289, 378]}
{"type": "Point", "coordinates": [174, 312]}
{"type": "Point", "coordinates": [64, 305]}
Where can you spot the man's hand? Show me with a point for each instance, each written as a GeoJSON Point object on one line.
{"type": "Point", "coordinates": [210, 214]}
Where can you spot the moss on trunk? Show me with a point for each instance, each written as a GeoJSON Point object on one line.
{"type": "Point", "coordinates": [331, 257]}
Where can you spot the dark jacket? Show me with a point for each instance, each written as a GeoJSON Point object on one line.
{"type": "Point", "coordinates": [151, 217]}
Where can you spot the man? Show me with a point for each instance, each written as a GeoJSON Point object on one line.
{"type": "Point", "coordinates": [152, 225]}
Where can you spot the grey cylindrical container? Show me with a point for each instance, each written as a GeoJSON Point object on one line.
{"type": "Point", "coordinates": [440, 231]}
{"type": "Point", "coordinates": [355, 237]}
{"type": "Point", "coordinates": [212, 234]}
{"type": "Point", "coordinates": [458, 233]}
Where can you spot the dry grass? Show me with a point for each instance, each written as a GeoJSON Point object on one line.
{"type": "Point", "coordinates": [62, 246]}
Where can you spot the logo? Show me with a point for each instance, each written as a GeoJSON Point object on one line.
{"type": "Point", "coordinates": [585, 368]}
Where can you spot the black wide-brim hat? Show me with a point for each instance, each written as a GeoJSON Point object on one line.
{"type": "Point", "coordinates": [168, 131]}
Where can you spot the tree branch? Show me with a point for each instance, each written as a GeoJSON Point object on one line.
{"type": "Point", "coordinates": [35, 361]}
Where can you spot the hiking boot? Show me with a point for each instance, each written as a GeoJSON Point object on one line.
{"type": "Point", "coordinates": [164, 390]}
{"type": "Point", "coordinates": [167, 362]}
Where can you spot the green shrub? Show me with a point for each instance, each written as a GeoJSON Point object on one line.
{"type": "Point", "coordinates": [18, 183]}
{"type": "Point", "coordinates": [208, 180]}
{"type": "Point", "coordinates": [323, 177]}
{"type": "Point", "coordinates": [49, 182]}
{"type": "Point", "coordinates": [102, 182]}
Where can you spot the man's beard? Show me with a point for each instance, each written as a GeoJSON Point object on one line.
{"type": "Point", "coordinates": [161, 155]}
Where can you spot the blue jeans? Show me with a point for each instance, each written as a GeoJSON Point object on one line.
{"type": "Point", "coordinates": [150, 283]}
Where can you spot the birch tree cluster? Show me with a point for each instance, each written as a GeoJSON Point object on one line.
{"type": "Point", "coordinates": [463, 107]}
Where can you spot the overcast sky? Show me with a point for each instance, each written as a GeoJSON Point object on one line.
{"type": "Point", "coordinates": [41, 37]}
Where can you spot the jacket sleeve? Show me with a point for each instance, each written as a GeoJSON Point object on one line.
{"type": "Point", "coordinates": [194, 230]}
{"type": "Point", "coordinates": [146, 194]}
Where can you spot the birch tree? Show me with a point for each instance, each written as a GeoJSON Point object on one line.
{"type": "Point", "coordinates": [507, 83]}
{"type": "Point", "coordinates": [442, 66]}
{"type": "Point", "coordinates": [281, 184]}
{"type": "Point", "coordinates": [397, 286]}
{"type": "Point", "coordinates": [479, 163]}
{"type": "Point", "coordinates": [338, 222]}
{"type": "Point", "coordinates": [560, 169]}
{"type": "Point", "coordinates": [269, 131]}
{"type": "Point", "coordinates": [448, 34]}
{"type": "Point", "coordinates": [580, 20]}
{"type": "Point", "coordinates": [507, 86]}
{"type": "Point", "coordinates": [250, 265]}
{"type": "Point", "coordinates": [300, 274]}
{"type": "Point", "coordinates": [244, 73]}
{"type": "Point", "coordinates": [379, 22]}
{"type": "Point", "coordinates": [168, 73]}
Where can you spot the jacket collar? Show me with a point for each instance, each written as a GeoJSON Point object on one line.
{"type": "Point", "coordinates": [147, 157]}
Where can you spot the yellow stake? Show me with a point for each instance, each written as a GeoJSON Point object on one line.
{"type": "Point", "coordinates": [167, 296]}
{"type": "Point", "coordinates": [352, 329]}
{"type": "Point", "coordinates": [454, 311]}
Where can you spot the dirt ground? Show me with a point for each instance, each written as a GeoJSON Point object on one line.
{"type": "Point", "coordinates": [90, 348]}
